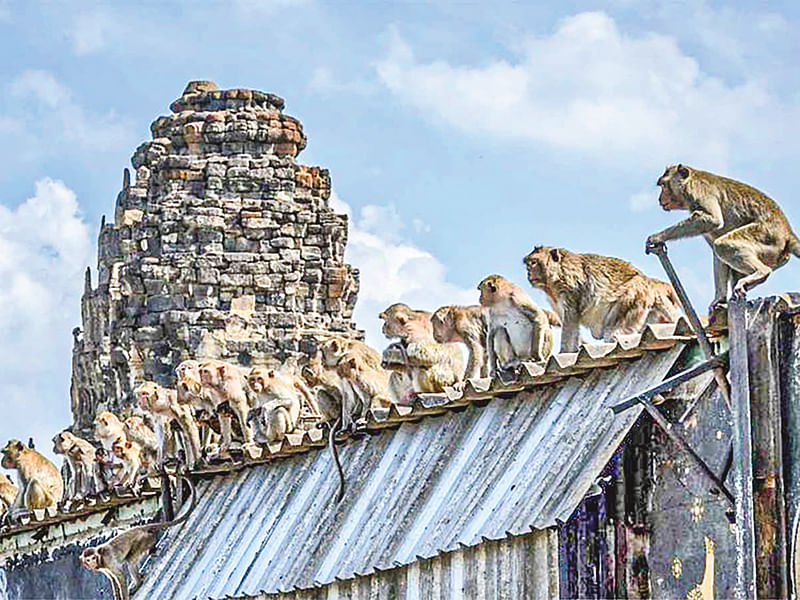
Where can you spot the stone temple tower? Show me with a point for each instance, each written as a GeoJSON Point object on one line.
{"type": "Point", "coordinates": [222, 246]}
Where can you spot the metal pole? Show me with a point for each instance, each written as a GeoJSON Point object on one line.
{"type": "Point", "coordinates": [666, 426]}
{"type": "Point", "coordinates": [660, 250]}
{"type": "Point", "coordinates": [713, 363]}
{"type": "Point", "coordinates": [742, 455]}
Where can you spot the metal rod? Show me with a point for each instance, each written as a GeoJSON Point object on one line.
{"type": "Point", "coordinates": [742, 450]}
{"type": "Point", "coordinates": [666, 426]}
{"type": "Point", "coordinates": [715, 362]}
{"type": "Point", "coordinates": [660, 250]}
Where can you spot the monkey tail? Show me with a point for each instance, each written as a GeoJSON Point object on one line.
{"type": "Point", "coordinates": [335, 428]}
{"type": "Point", "coordinates": [185, 512]}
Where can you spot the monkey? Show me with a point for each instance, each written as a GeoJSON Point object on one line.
{"type": "Point", "coordinates": [607, 295]}
{"type": "Point", "coordinates": [162, 404]}
{"type": "Point", "coordinates": [365, 383]}
{"type": "Point", "coordinates": [104, 470]}
{"type": "Point", "coordinates": [338, 410]}
{"type": "Point", "coordinates": [431, 366]}
{"type": "Point", "coordinates": [108, 429]}
{"type": "Point", "coordinates": [80, 456]}
{"type": "Point", "coordinates": [137, 430]}
{"type": "Point", "coordinates": [130, 454]}
{"type": "Point", "coordinates": [748, 232]}
{"type": "Point", "coordinates": [130, 548]}
{"type": "Point", "coordinates": [190, 388]}
{"type": "Point", "coordinates": [279, 400]}
{"type": "Point", "coordinates": [517, 329]}
{"type": "Point", "coordinates": [8, 494]}
{"type": "Point", "coordinates": [40, 483]}
{"type": "Point", "coordinates": [225, 383]}
{"type": "Point", "coordinates": [465, 324]}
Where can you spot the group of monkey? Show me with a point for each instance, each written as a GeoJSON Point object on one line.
{"type": "Point", "coordinates": [215, 402]}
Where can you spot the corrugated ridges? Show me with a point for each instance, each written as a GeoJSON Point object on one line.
{"type": "Point", "coordinates": [520, 462]}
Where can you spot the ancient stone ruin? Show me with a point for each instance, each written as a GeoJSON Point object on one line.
{"type": "Point", "coordinates": [223, 246]}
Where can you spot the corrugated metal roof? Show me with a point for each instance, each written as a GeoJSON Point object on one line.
{"type": "Point", "coordinates": [517, 463]}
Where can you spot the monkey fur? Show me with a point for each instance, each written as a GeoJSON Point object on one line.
{"type": "Point", "coordinates": [431, 366]}
{"type": "Point", "coordinates": [465, 324]}
{"type": "Point", "coordinates": [517, 329]}
{"type": "Point", "coordinates": [80, 455]}
{"type": "Point", "coordinates": [748, 232]}
{"type": "Point", "coordinates": [40, 483]}
{"type": "Point", "coordinates": [129, 548]}
{"type": "Point", "coordinates": [607, 295]}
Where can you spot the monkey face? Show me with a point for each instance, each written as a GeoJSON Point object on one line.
{"type": "Point", "coordinates": [332, 350]}
{"type": "Point", "coordinates": [11, 454]}
{"type": "Point", "coordinates": [259, 378]}
{"type": "Point", "coordinates": [671, 184]}
{"type": "Point", "coordinates": [489, 288]}
{"type": "Point", "coordinates": [395, 319]}
{"type": "Point", "coordinates": [106, 423]}
{"type": "Point", "coordinates": [543, 265]}
{"type": "Point", "coordinates": [61, 443]}
{"type": "Point", "coordinates": [188, 373]}
{"type": "Point", "coordinates": [90, 559]}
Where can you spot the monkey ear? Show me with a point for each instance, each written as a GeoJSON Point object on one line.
{"type": "Point", "coordinates": [271, 374]}
{"type": "Point", "coordinates": [683, 171]}
{"type": "Point", "coordinates": [221, 370]}
{"type": "Point", "coordinates": [19, 445]}
{"type": "Point", "coordinates": [555, 254]}
{"type": "Point", "coordinates": [402, 319]}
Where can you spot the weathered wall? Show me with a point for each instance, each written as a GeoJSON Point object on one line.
{"type": "Point", "coordinates": [222, 246]}
{"type": "Point", "coordinates": [510, 569]}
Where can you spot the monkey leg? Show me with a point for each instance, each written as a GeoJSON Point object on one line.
{"type": "Point", "coordinates": [226, 427]}
{"type": "Point", "coordinates": [191, 439]}
{"type": "Point", "coordinates": [241, 409]}
{"type": "Point", "coordinates": [748, 250]}
{"type": "Point", "coordinates": [37, 496]}
{"type": "Point", "coordinates": [629, 313]}
{"type": "Point", "coordinates": [570, 335]}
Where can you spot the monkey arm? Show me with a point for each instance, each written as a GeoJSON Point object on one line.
{"type": "Point", "coordinates": [706, 217]}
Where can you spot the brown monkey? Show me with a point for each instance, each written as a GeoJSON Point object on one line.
{"type": "Point", "coordinates": [8, 494]}
{"type": "Point", "coordinates": [225, 383]}
{"type": "Point", "coordinates": [162, 404]}
{"type": "Point", "coordinates": [431, 366]}
{"type": "Point", "coordinates": [129, 548]}
{"type": "Point", "coordinates": [40, 483]}
{"type": "Point", "coordinates": [108, 429]}
{"type": "Point", "coordinates": [190, 388]}
{"type": "Point", "coordinates": [607, 295]}
{"type": "Point", "coordinates": [139, 432]}
{"type": "Point", "coordinates": [749, 234]}
{"type": "Point", "coordinates": [365, 383]}
{"type": "Point", "coordinates": [464, 324]}
{"type": "Point", "coordinates": [104, 470]}
{"type": "Point", "coordinates": [517, 329]}
{"type": "Point", "coordinates": [339, 410]}
{"type": "Point", "coordinates": [130, 455]}
{"type": "Point", "coordinates": [80, 455]}
{"type": "Point", "coordinates": [279, 398]}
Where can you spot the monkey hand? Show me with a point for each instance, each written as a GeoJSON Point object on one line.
{"type": "Point", "coordinates": [654, 244]}
{"type": "Point", "coordinates": [740, 290]}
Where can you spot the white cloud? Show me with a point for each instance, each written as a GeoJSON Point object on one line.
{"type": "Point", "coordinates": [588, 87]}
{"type": "Point", "coordinates": [393, 269]}
{"type": "Point", "coordinates": [44, 249]}
{"type": "Point", "coordinates": [89, 32]}
{"type": "Point", "coordinates": [323, 81]}
{"type": "Point", "coordinates": [48, 118]}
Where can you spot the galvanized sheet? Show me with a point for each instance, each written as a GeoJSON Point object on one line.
{"type": "Point", "coordinates": [426, 488]}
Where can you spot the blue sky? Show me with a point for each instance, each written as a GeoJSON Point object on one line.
{"type": "Point", "coordinates": [458, 135]}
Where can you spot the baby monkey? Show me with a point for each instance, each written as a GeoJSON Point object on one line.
{"type": "Point", "coordinates": [465, 324]}
{"type": "Point", "coordinates": [748, 233]}
{"type": "Point", "coordinates": [129, 548]}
